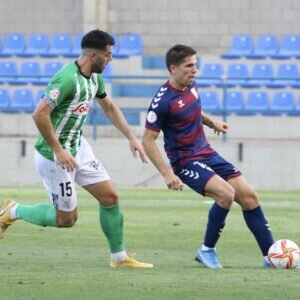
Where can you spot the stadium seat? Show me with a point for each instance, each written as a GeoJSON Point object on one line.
{"type": "Point", "coordinates": [50, 68]}
{"type": "Point", "coordinates": [22, 101]}
{"type": "Point", "coordinates": [261, 75]}
{"type": "Point", "coordinates": [38, 97]}
{"type": "Point", "coordinates": [29, 72]}
{"type": "Point", "coordinates": [130, 44]}
{"type": "Point", "coordinates": [287, 75]}
{"type": "Point", "coordinates": [154, 62]}
{"type": "Point", "coordinates": [211, 74]}
{"type": "Point", "coordinates": [4, 100]}
{"type": "Point", "coordinates": [37, 44]}
{"type": "Point", "coordinates": [76, 47]}
{"type": "Point", "coordinates": [237, 74]}
{"type": "Point", "coordinates": [241, 45]}
{"type": "Point", "coordinates": [210, 102]}
{"type": "Point", "coordinates": [234, 102]}
{"type": "Point", "coordinates": [134, 90]}
{"type": "Point", "coordinates": [283, 102]}
{"type": "Point", "coordinates": [107, 72]}
{"type": "Point", "coordinates": [267, 45]}
{"type": "Point", "coordinates": [290, 47]}
{"type": "Point", "coordinates": [296, 111]}
{"type": "Point", "coordinates": [60, 44]}
{"type": "Point", "coordinates": [257, 102]}
{"type": "Point", "coordinates": [14, 44]}
{"type": "Point", "coordinates": [8, 72]}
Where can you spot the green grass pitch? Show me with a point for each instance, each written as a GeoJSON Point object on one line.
{"type": "Point", "coordinates": [162, 227]}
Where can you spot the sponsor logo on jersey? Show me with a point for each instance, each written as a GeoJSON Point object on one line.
{"type": "Point", "coordinates": [81, 109]}
{"type": "Point", "coordinates": [55, 200]}
{"type": "Point", "coordinates": [54, 93]}
{"type": "Point", "coordinates": [151, 117]}
{"type": "Point", "coordinates": [181, 103]}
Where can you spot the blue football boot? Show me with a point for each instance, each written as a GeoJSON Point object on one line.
{"type": "Point", "coordinates": [208, 258]}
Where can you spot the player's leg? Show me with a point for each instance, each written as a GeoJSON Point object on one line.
{"type": "Point", "coordinates": [201, 178]}
{"type": "Point", "coordinates": [93, 177]}
{"type": "Point", "coordinates": [60, 187]}
{"type": "Point", "coordinates": [253, 213]}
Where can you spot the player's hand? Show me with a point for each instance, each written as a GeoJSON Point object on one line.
{"type": "Point", "coordinates": [66, 160]}
{"type": "Point", "coordinates": [135, 148]}
{"type": "Point", "coordinates": [220, 127]}
{"type": "Point", "coordinates": [173, 182]}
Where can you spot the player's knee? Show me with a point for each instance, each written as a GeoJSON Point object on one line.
{"type": "Point", "coordinates": [110, 199]}
{"type": "Point", "coordinates": [226, 197]}
{"type": "Point", "coordinates": [66, 221]}
{"type": "Point", "coordinates": [252, 201]}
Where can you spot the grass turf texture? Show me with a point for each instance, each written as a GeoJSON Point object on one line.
{"type": "Point", "coordinates": [164, 228]}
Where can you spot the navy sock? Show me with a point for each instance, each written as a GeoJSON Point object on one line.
{"type": "Point", "coordinates": [216, 222]}
{"type": "Point", "coordinates": [260, 228]}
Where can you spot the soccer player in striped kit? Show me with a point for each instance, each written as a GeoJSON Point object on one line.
{"type": "Point", "coordinates": [63, 157]}
{"type": "Point", "coordinates": [176, 111]}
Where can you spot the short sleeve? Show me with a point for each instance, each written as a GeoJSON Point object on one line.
{"type": "Point", "coordinates": [101, 87]}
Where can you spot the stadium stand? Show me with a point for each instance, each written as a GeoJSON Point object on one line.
{"type": "Point", "coordinates": [257, 102]}
{"type": "Point", "coordinates": [129, 44]}
{"type": "Point", "coordinates": [211, 73]}
{"type": "Point", "coordinates": [61, 44]}
{"type": "Point", "coordinates": [8, 72]}
{"type": "Point", "coordinates": [282, 102]}
{"type": "Point", "coordinates": [22, 100]}
{"type": "Point", "coordinates": [234, 102]}
{"type": "Point", "coordinates": [210, 101]}
{"type": "Point", "coordinates": [76, 47]}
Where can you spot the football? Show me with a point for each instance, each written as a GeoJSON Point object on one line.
{"type": "Point", "coordinates": [284, 254]}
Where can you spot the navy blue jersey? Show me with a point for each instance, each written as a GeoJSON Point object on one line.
{"type": "Point", "coordinates": [178, 114]}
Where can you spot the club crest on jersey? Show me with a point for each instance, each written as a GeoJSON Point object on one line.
{"type": "Point", "coordinates": [54, 93]}
{"type": "Point", "coordinates": [80, 109]}
{"type": "Point", "coordinates": [151, 117]}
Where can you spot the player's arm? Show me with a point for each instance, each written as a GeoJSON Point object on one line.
{"type": "Point", "coordinates": [172, 181]}
{"type": "Point", "coordinates": [217, 126]}
{"type": "Point", "coordinates": [41, 117]}
{"type": "Point", "coordinates": [117, 118]}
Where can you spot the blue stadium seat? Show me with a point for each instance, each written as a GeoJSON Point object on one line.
{"type": "Point", "coordinates": [211, 74]}
{"type": "Point", "coordinates": [29, 72]}
{"type": "Point", "coordinates": [60, 44]}
{"type": "Point", "coordinates": [296, 111]}
{"type": "Point", "coordinates": [241, 45]}
{"type": "Point", "coordinates": [76, 47]}
{"type": "Point", "coordinates": [134, 90]}
{"type": "Point", "coordinates": [290, 47]}
{"type": "Point", "coordinates": [237, 74]}
{"type": "Point", "coordinates": [283, 102]}
{"type": "Point", "coordinates": [154, 62]}
{"type": "Point", "coordinates": [257, 102]}
{"type": "Point", "coordinates": [287, 75]}
{"type": "Point", "coordinates": [116, 47]}
{"type": "Point", "coordinates": [107, 72]}
{"type": "Point", "coordinates": [22, 101]}
{"type": "Point", "coordinates": [37, 44]}
{"type": "Point", "coordinates": [261, 75]}
{"type": "Point", "coordinates": [50, 68]}
{"type": "Point", "coordinates": [267, 45]}
{"type": "Point", "coordinates": [234, 102]}
{"type": "Point", "coordinates": [210, 102]}
{"type": "Point", "coordinates": [14, 44]}
{"type": "Point", "coordinates": [8, 72]}
{"type": "Point", "coordinates": [130, 44]}
{"type": "Point", "coordinates": [38, 97]}
{"type": "Point", "coordinates": [4, 100]}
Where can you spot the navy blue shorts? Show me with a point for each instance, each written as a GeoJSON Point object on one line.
{"type": "Point", "coordinates": [196, 172]}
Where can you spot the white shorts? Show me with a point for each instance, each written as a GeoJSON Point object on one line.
{"type": "Point", "coordinates": [60, 184]}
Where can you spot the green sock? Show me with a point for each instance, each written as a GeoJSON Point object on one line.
{"type": "Point", "coordinates": [111, 221]}
{"type": "Point", "coordinates": [40, 214]}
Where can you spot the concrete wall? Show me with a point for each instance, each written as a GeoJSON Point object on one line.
{"type": "Point", "coordinates": [207, 25]}
{"type": "Point", "coordinates": [268, 163]}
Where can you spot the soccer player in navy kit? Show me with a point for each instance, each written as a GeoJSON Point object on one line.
{"type": "Point", "coordinates": [176, 111]}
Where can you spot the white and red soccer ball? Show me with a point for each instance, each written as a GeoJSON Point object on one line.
{"type": "Point", "coordinates": [284, 254]}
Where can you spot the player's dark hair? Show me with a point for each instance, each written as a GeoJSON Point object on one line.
{"type": "Point", "coordinates": [177, 54]}
{"type": "Point", "coordinates": [97, 39]}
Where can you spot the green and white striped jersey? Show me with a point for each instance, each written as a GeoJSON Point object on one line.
{"type": "Point", "coordinates": [70, 94]}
